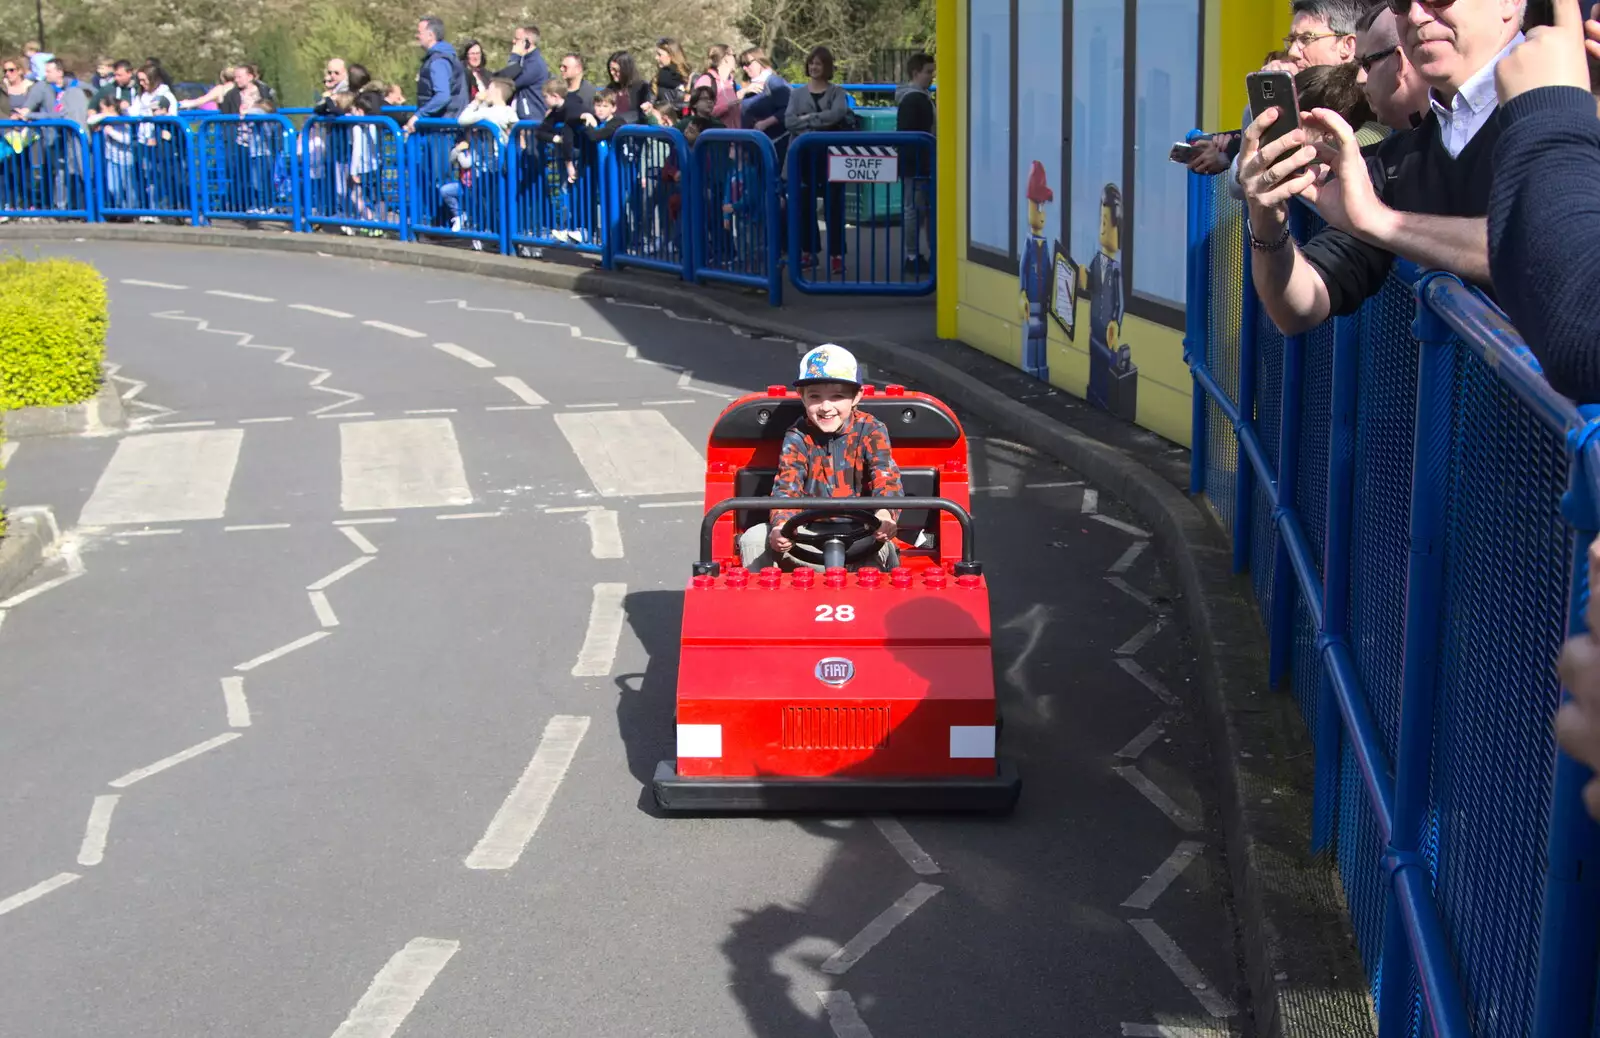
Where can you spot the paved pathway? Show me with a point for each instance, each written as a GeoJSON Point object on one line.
{"type": "Point", "coordinates": [337, 713]}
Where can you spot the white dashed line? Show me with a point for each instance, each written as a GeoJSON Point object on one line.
{"type": "Point", "coordinates": [579, 407]}
{"type": "Point", "coordinates": [324, 311]}
{"type": "Point", "coordinates": [1148, 680]}
{"type": "Point", "coordinates": [568, 509]}
{"type": "Point", "coordinates": [359, 539]}
{"type": "Point", "coordinates": [364, 522]}
{"type": "Point", "coordinates": [840, 961]}
{"type": "Point", "coordinates": [605, 535]}
{"type": "Point", "coordinates": [396, 329]}
{"type": "Point", "coordinates": [524, 808]}
{"type": "Point", "coordinates": [283, 650]}
{"type": "Point", "coordinates": [35, 892]}
{"type": "Point", "coordinates": [433, 410]}
{"type": "Point", "coordinates": [471, 515]}
{"type": "Point", "coordinates": [522, 391]}
{"type": "Point", "coordinates": [349, 414]}
{"type": "Point", "coordinates": [990, 489]}
{"type": "Point", "coordinates": [1091, 500]}
{"type": "Point", "coordinates": [263, 421]}
{"type": "Point", "coordinates": [1118, 524]}
{"type": "Point", "coordinates": [1184, 969]}
{"type": "Point", "coordinates": [605, 342]}
{"type": "Point", "coordinates": [93, 849]}
{"type": "Point", "coordinates": [173, 761]}
{"type": "Point", "coordinates": [462, 353]}
{"type": "Point", "coordinates": [1143, 741]}
{"type": "Point", "coordinates": [1053, 486]}
{"type": "Point", "coordinates": [513, 407]}
{"type": "Point", "coordinates": [233, 699]}
{"type": "Point", "coordinates": [920, 861]}
{"type": "Point", "coordinates": [397, 988]}
{"type": "Point", "coordinates": [1164, 876]}
{"type": "Point", "coordinates": [163, 532]}
{"type": "Point", "coordinates": [666, 403]}
{"type": "Point", "coordinates": [843, 1017]}
{"type": "Point", "coordinates": [605, 631]}
{"type": "Point", "coordinates": [155, 284]}
{"type": "Point", "coordinates": [323, 608]}
{"type": "Point", "coordinates": [246, 296]}
{"type": "Point", "coordinates": [1137, 643]}
{"type": "Point", "coordinates": [182, 425]}
{"type": "Point", "coordinates": [1129, 557]}
{"type": "Point", "coordinates": [339, 574]}
{"type": "Point", "coordinates": [1132, 592]}
{"type": "Point", "coordinates": [1158, 796]}
{"type": "Point", "coordinates": [671, 504]}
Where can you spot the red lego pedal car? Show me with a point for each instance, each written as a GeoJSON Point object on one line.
{"type": "Point", "coordinates": [844, 688]}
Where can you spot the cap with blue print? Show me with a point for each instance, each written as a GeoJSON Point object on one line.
{"type": "Point", "coordinates": [829, 363]}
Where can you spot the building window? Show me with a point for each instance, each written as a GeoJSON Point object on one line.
{"type": "Point", "coordinates": [1040, 113]}
{"type": "Point", "coordinates": [1097, 105]}
{"type": "Point", "coordinates": [991, 154]}
{"type": "Point", "coordinates": [1165, 109]}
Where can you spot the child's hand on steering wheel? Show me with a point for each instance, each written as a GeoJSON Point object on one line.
{"type": "Point", "coordinates": [778, 541]}
{"type": "Point", "coordinates": [887, 527]}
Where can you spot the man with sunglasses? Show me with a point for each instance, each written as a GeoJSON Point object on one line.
{"type": "Point", "coordinates": [1432, 183]}
{"type": "Point", "coordinates": [1397, 94]}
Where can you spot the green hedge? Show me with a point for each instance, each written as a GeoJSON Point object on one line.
{"type": "Point", "coordinates": [53, 317]}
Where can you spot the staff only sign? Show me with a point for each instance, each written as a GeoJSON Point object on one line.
{"type": "Point", "coordinates": [863, 165]}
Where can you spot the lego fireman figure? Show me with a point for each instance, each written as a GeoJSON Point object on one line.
{"type": "Point", "coordinates": [1113, 379]}
{"type": "Point", "coordinates": [1035, 278]}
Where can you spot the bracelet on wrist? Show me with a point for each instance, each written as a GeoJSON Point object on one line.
{"type": "Point", "coordinates": [1272, 246]}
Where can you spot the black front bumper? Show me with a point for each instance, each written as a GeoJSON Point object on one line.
{"type": "Point", "coordinates": [995, 794]}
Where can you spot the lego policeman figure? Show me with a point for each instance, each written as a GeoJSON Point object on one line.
{"type": "Point", "coordinates": [1036, 279]}
{"type": "Point", "coordinates": [1113, 380]}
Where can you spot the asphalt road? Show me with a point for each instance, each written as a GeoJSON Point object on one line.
{"type": "Point", "coordinates": [360, 700]}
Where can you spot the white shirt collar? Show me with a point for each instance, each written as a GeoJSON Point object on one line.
{"type": "Point", "coordinates": [1477, 93]}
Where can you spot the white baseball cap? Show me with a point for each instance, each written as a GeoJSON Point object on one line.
{"type": "Point", "coordinates": [829, 363]}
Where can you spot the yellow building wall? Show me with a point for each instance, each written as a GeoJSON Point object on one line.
{"type": "Point", "coordinates": [984, 308]}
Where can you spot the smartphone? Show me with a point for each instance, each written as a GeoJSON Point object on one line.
{"type": "Point", "coordinates": [1182, 153]}
{"type": "Point", "coordinates": [1274, 90]}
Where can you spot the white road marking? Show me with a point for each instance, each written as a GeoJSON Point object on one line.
{"type": "Point", "coordinates": [1183, 968]}
{"type": "Point", "coordinates": [177, 758]}
{"type": "Point", "coordinates": [155, 284]}
{"type": "Point", "coordinates": [1091, 500]}
{"type": "Point", "coordinates": [840, 961]}
{"type": "Point", "coordinates": [524, 808]}
{"type": "Point", "coordinates": [521, 390]}
{"type": "Point", "coordinates": [990, 489]}
{"type": "Point", "coordinates": [1132, 592]}
{"type": "Point", "coordinates": [569, 509]}
{"type": "Point", "coordinates": [577, 333]}
{"type": "Point", "coordinates": [401, 463]}
{"type": "Point", "coordinates": [385, 326]}
{"type": "Point", "coordinates": [605, 631]}
{"type": "Point", "coordinates": [582, 407]}
{"type": "Point", "coordinates": [35, 892]}
{"type": "Point", "coordinates": [283, 650]}
{"type": "Point", "coordinates": [462, 353]}
{"type": "Point", "coordinates": [364, 522]}
{"type": "Point", "coordinates": [165, 477]}
{"type": "Point", "coordinates": [843, 1016]}
{"type": "Point", "coordinates": [433, 410]}
{"type": "Point", "coordinates": [1118, 524]}
{"type": "Point", "coordinates": [183, 425]}
{"type": "Point", "coordinates": [1170, 1031]}
{"type": "Point", "coordinates": [93, 850]}
{"type": "Point", "coordinates": [164, 532]}
{"type": "Point", "coordinates": [1133, 645]}
{"type": "Point", "coordinates": [233, 698]}
{"type": "Point", "coordinates": [339, 574]}
{"type": "Point", "coordinates": [1143, 741]}
{"type": "Point", "coordinates": [1158, 796]}
{"type": "Point", "coordinates": [349, 414]}
{"type": "Point", "coordinates": [605, 535]}
{"type": "Point", "coordinates": [7, 449]}
{"type": "Point", "coordinates": [920, 861]}
{"type": "Point", "coordinates": [1148, 680]}
{"type": "Point", "coordinates": [75, 569]}
{"type": "Point", "coordinates": [1164, 876]}
{"type": "Point", "coordinates": [633, 452]}
{"type": "Point", "coordinates": [323, 608]}
{"type": "Point", "coordinates": [1053, 486]}
{"type": "Point", "coordinates": [246, 296]}
{"type": "Point", "coordinates": [671, 504]}
{"type": "Point", "coordinates": [1129, 557]}
{"type": "Point", "coordinates": [513, 407]}
{"type": "Point", "coordinates": [666, 403]}
{"type": "Point", "coordinates": [264, 421]}
{"type": "Point", "coordinates": [324, 311]}
{"type": "Point", "coordinates": [397, 988]}
{"type": "Point", "coordinates": [471, 515]}
{"type": "Point", "coordinates": [359, 539]}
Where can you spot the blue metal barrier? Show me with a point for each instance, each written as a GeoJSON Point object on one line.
{"type": "Point", "coordinates": [352, 168]}
{"type": "Point", "coordinates": [876, 194]}
{"type": "Point", "coordinates": [142, 168]}
{"type": "Point", "coordinates": [734, 216]}
{"type": "Point", "coordinates": [46, 170]}
{"type": "Point", "coordinates": [457, 181]}
{"type": "Point", "coordinates": [644, 208]}
{"type": "Point", "coordinates": [248, 169]}
{"type": "Point", "coordinates": [1414, 503]}
{"type": "Point", "coordinates": [554, 189]}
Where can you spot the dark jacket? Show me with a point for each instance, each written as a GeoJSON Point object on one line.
{"type": "Point", "coordinates": [913, 110]}
{"type": "Point", "coordinates": [530, 73]}
{"type": "Point", "coordinates": [856, 461]}
{"type": "Point", "coordinates": [229, 105]}
{"type": "Point", "coordinates": [441, 83]}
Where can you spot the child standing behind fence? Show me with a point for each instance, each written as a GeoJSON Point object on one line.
{"type": "Point", "coordinates": [366, 163]}
{"type": "Point", "coordinates": [116, 144]}
{"type": "Point", "coordinates": [554, 163]}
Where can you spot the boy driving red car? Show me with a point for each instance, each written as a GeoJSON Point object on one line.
{"type": "Point", "coordinates": [833, 450]}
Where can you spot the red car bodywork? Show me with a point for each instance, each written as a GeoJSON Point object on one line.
{"type": "Point", "coordinates": [838, 689]}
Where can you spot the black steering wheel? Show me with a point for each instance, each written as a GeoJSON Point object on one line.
{"type": "Point", "coordinates": [832, 536]}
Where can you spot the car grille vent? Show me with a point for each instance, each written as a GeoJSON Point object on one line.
{"type": "Point", "coordinates": [835, 727]}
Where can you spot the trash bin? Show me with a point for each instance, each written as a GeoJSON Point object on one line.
{"type": "Point", "coordinates": [874, 203]}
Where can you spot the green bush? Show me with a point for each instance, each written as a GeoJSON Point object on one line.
{"type": "Point", "coordinates": [53, 317]}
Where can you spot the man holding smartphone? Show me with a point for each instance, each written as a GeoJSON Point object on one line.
{"type": "Point", "coordinates": [527, 69]}
{"type": "Point", "coordinates": [1432, 187]}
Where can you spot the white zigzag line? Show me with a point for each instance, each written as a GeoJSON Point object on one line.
{"type": "Point", "coordinates": [127, 397]}
{"type": "Point", "coordinates": [461, 304]}
{"type": "Point", "coordinates": [283, 352]}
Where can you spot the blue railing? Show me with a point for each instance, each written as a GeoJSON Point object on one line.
{"type": "Point", "coordinates": [1414, 504]}
{"type": "Point", "coordinates": [720, 211]}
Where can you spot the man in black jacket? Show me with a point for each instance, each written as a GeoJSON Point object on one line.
{"type": "Point", "coordinates": [527, 69]}
{"type": "Point", "coordinates": [442, 80]}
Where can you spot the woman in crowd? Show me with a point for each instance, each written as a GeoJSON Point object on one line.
{"type": "Point", "coordinates": [819, 104]}
{"type": "Point", "coordinates": [721, 63]}
{"type": "Point", "coordinates": [478, 78]}
{"type": "Point", "coordinates": [633, 93]}
{"type": "Point", "coordinates": [158, 158]}
{"type": "Point", "coordinates": [17, 83]}
{"type": "Point", "coordinates": [672, 79]}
